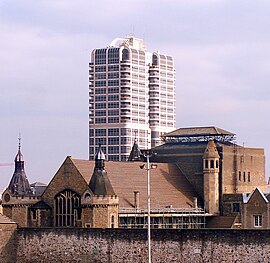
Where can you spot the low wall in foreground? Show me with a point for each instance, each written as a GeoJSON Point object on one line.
{"type": "Point", "coordinates": [119, 245]}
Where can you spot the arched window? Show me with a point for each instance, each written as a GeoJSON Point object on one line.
{"type": "Point", "coordinates": [67, 208]}
{"type": "Point", "coordinates": [112, 221]}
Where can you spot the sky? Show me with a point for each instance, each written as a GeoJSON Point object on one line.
{"type": "Point", "coordinates": [222, 58]}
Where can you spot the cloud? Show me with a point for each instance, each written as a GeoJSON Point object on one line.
{"type": "Point", "coordinates": [221, 52]}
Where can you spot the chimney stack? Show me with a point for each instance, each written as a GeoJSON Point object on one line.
{"type": "Point", "coordinates": [136, 199]}
{"type": "Point", "coordinates": [195, 202]}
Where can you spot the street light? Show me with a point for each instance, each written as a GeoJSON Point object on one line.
{"type": "Point", "coordinates": [148, 167]}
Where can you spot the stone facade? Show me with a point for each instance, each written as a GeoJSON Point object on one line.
{"type": "Point", "coordinates": [67, 202]}
{"type": "Point", "coordinates": [8, 241]}
{"type": "Point", "coordinates": [118, 245]}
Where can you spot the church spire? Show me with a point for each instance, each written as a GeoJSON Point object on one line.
{"type": "Point", "coordinates": [135, 154]}
{"type": "Point", "coordinates": [19, 184]}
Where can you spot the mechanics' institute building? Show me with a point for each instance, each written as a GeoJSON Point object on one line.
{"type": "Point", "coordinates": [203, 179]}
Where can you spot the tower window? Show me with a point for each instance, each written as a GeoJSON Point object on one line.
{"type": "Point", "coordinates": [236, 207]}
{"type": "Point", "coordinates": [112, 221]}
{"type": "Point", "coordinates": [212, 164]}
{"type": "Point", "coordinates": [216, 163]}
{"type": "Point", "coordinates": [248, 176]}
{"type": "Point", "coordinates": [34, 214]}
{"type": "Point", "coordinates": [244, 176]}
{"type": "Point", "coordinates": [206, 164]}
{"type": "Point", "coordinates": [239, 175]}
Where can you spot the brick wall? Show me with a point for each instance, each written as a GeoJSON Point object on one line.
{"type": "Point", "coordinates": [118, 245]}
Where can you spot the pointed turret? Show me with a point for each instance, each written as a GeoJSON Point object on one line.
{"type": "Point", "coordinates": [19, 184]}
{"type": "Point", "coordinates": [100, 183]}
{"type": "Point", "coordinates": [135, 154]}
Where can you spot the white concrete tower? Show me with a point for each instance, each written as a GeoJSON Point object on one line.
{"type": "Point", "coordinates": [125, 103]}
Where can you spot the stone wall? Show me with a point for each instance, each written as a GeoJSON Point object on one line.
{"type": "Point", "coordinates": [8, 242]}
{"type": "Point", "coordinates": [119, 245]}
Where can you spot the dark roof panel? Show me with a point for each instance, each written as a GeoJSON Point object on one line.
{"type": "Point", "coordinates": [197, 131]}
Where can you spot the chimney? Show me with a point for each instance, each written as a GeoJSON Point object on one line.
{"type": "Point", "coordinates": [136, 199]}
{"type": "Point", "coordinates": [195, 202]}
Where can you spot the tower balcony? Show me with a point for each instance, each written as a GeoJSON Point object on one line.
{"type": "Point", "coordinates": [125, 75]}
{"type": "Point", "coordinates": [125, 97]}
{"type": "Point", "coordinates": [125, 105]}
{"type": "Point", "coordinates": [126, 112]}
{"type": "Point", "coordinates": [125, 82]}
{"type": "Point", "coordinates": [153, 84]}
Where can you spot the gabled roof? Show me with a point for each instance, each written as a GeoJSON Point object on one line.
{"type": "Point", "coordinates": [246, 198]}
{"type": "Point", "coordinates": [197, 131]}
{"type": "Point", "coordinates": [169, 187]}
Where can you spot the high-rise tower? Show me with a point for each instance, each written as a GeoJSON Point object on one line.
{"type": "Point", "coordinates": [131, 96]}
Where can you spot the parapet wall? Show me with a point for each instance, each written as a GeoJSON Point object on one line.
{"type": "Point", "coordinates": [119, 245]}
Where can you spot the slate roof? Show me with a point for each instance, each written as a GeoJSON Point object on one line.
{"type": "Point", "coordinates": [197, 131]}
{"type": "Point", "coordinates": [169, 187]}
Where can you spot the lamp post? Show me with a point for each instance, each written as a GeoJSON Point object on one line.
{"type": "Point", "coordinates": [148, 167]}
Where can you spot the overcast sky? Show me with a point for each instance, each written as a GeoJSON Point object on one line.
{"type": "Point", "coordinates": [222, 56]}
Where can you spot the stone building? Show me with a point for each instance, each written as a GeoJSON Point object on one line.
{"type": "Point", "coordinates": [202, 179]}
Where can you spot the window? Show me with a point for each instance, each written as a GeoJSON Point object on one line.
{"type": "Point", "coordinates": [100, 83]}
{"type": "Point", "coordinates": [113, 120]}
{"type": "Point", "coordinates": [113, 105]}
{"type": "Point", "coordinates": [100, 68]}
{"type": "Point", "coordinates": [248, 176]}
{"type": "Point", "coordinates": [100, 98]}
{"type": "Point", "coordinates": [100, 91]}
{"type": "Point", "coordinates": [67, 208]}
{"type": "Point", "coordinates": [216, 163]}
{"type": "Point", "coordinates": [100, 105]}
{"type": "Point", "coordinates": [113, 82]}
{"type": "Point", "coordinates": [113, 97]}
{"type": "Point", "coordinates": [34, 214]}
{"type": "Point", "coordinates": [206, 164]}
{"type": "Point", "coordinates": [113, 141]}
{"type": "Point", "coordinates": [112, 221]}
{"type": "Point", "coordinates": [244, 176]}
{"type": "Point", "coordinates": [257, 220]}
{"type": "Point", "coordinates": [101, 113]}
{"type": "Point", "coordinates": [236, 207]}
{"type": "Point", "coordinates": [100, 120]}
{"type": "Point", "coordinates": [212, 164]}
{"type": "Point", "coordinates": [100, 132]}
{"type": "Point", "coordinates": [100, 140]}
{"type": "Point", "coordinates": [113, 90]}
{"type": "Point", "coordinates": [113, 132]}
{"type": "Point", "coordinates": [113, 149]}
{"type": "Point", "coordinates": [113, 112]}
{"type": "Point", "coordinates": [113, 75]}
{"type": "Point", "coordinates": [91, 132]}
{"type": "Point", "coordinates": [113, 68]}
{"type": "Point", "coordinates": [239, 175]}
{"type": "Point", "coordinates": [125, 54]}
